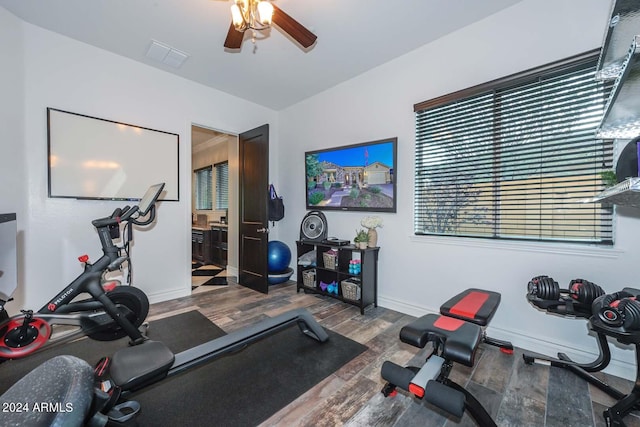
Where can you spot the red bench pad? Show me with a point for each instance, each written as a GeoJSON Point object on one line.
{"type": "Point", "coordinates": [472, 305]}
{"type": "Point", "coordinates": [459, 339]}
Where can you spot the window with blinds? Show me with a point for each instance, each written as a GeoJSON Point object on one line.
{"type": "Point", "coordinates": [203, 191]}
{"type": "Point", "coordinates": [222, 185]}
{"type": "Point", "coordinates": [513, 158]}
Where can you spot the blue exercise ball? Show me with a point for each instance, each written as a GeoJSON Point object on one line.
{"type": "Point", "coordinates": [279, 256]}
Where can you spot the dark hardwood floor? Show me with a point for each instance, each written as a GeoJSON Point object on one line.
{"type": "Point", "coordinates": [515, 394]}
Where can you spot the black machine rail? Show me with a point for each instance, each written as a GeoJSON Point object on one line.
{"type": "Point", "coordinates": [136, 367]}
{"type": "Point", "coordinates": [239, 339]}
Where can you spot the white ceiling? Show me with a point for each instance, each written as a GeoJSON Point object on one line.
{"type": "Point", "coordinates": [353, 37]}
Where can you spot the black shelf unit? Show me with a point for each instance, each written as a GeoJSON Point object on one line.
{"type": "Point", "coordinates": [368, 276]}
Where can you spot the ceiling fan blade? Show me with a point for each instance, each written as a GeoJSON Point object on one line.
{"type": "Point", "coordinates": [292, 27]}
{"type": "Point", "coordinates": [234, 38]}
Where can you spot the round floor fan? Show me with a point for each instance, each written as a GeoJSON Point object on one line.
{"type": "Point", "coordinates": [313, 227]}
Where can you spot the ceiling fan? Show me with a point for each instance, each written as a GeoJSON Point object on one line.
{"type": "Point", "coordinates": [257, 15]}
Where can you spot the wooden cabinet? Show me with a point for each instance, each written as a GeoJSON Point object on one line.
{"type": "Point", "coordinates": [218, 245]}
{"type": "Point", "coordinates": [209, 246]}
{"type": "Point", "coordinates": [330, 271]}
{"type": "Point", "coordinates": [197, 245]}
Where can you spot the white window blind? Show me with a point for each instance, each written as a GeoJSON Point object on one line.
{"type": "Point", "coordinates": [203, 188]}
{"type": "Point", "coordinates": [222, 185]}
{"type": "Point", "coordinates": [512, 159]}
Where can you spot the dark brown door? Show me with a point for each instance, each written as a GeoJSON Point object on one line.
{"type": "Point", "coordinates": [254, 220]}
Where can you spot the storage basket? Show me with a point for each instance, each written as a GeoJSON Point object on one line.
{"type": "Point", "coordinates": [350, 290]}
{"type": "Point", "coordinates": [309, 278]}
{"type": "Point", "coordinates": [329, 260]}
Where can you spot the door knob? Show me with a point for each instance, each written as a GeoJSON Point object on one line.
{"type": "Point", "coordinates": [262, 230]}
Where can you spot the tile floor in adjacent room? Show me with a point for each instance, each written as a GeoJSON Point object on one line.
{"type": "Point", "coordinates": [199, 283]}
{"type": "Point", "coordinates": [515, 394]}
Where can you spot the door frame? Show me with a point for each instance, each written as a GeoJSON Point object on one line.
{"type": "Point", "coordinates": [232, 253]}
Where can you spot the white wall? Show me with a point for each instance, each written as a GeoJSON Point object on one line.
{"type": "Point", "coordinates": [13, 175]}
{"type": "Point", "coordinates": [417, 274]}
{"type": "Point", "coordinates": [54, 71]}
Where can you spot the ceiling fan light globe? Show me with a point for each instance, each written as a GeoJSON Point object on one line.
{"type": "Point", "coordinates": [265, 12]}
{"type": "Point", "coordinates": [237, 18]}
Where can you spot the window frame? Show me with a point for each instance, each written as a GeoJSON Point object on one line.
{"type": "Point", "coordinates": [556, 68]}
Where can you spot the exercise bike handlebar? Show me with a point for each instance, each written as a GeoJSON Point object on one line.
{"type": "Point", "coordinates": [120, 215]}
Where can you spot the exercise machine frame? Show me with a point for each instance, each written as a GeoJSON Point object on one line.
{"type": "Point", "coordinates": [107, 314]}
{"type": "Point", "coordinates": [566, 306]}
{"type": "Point", "coordinates": [144, 365]}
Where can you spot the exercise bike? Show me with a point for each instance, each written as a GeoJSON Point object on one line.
{"type": "Point", "coordinates": [110, 313]}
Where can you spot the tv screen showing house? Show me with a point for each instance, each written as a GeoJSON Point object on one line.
{"type": "Point", "coordinates": [358, 177]}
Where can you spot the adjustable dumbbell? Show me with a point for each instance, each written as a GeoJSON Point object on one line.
{"type": "Point", "coordinates": [584, 291]}
{"type": "Point", "coordinates": [544, 287]}
{"type": "Point", "coordinates": [620, 309]}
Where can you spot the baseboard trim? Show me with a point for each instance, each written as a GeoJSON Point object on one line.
{"type": "Point", "coordinates": [620, 366]}
{"type": "Point", "coordinates": [155, 297]}
{"type": "Point", "coordinates": [232, 271]}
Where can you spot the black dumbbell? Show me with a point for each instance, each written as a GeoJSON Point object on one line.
{"type": "Point", "coordinates": [544, 287]}
{"type": "Point", "coordinates": [584, 291]}
{"type": "Point", "coordinates": [620, 309]}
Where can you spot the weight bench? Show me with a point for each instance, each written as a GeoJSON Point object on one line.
{"type": "Point", "coordinates": [476, 306]}
{"type": "Point", "coordinates": [455, 335]}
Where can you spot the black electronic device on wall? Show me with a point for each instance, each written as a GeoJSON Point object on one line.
{"type": "Point", "coordinates": [627, 165]}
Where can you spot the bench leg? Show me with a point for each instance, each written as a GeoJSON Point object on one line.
{"type": "Point", "coordinates": [505, 346]}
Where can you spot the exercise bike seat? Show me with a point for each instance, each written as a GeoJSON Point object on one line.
{"type": "Point", "coordinates": [133, 367]}
{"type": "Point", "coordinates": [473, 305]}
{"type": "Point", "coordinates": [459, 339]}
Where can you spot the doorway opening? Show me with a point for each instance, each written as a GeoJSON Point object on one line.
{"type": "Point", "coordinates": [214, 198]}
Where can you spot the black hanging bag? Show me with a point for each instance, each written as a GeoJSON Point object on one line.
{"type": "Point", "coordinates": [276, 205]}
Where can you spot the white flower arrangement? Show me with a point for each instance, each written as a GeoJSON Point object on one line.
{"type": "Point", "coordinates": [371, 222]}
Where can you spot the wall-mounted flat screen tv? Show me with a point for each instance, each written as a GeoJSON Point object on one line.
{"type": "Point", "coordinates": [358, 177]}
{"type": "Point", "coordinates": [92, 158]}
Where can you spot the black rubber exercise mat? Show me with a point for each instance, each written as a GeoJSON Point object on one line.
{"type": "Point", "coordinates": [242, 389]}
{"type": "Point", "coordinates": [178, 332]}
{"type": "Point", "coordinates": [247, 387]}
